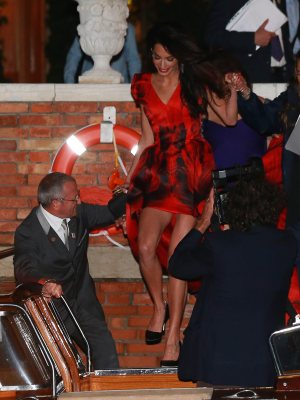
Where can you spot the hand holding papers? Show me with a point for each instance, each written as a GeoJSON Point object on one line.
{"type": "Point", "coordinates": [293, 143]}
{"type": "Point", "coordinates": [251, 16]}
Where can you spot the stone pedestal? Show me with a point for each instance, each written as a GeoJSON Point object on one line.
{"type": "Point", "coordinates": [102, 30]}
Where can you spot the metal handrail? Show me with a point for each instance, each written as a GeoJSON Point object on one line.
{"type": "Point", "coordinates": [7, 252]}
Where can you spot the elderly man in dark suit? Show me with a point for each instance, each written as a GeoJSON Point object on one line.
{"type": "Point", "coordinates": [51, 249]}
{"type": "Point", "coordinates": [242, 45]}
{"type": "Point", "coordinates": [245, 273]}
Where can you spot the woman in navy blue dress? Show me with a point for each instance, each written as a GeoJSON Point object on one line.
{"type": "Point", "coordinates": [231, 145]}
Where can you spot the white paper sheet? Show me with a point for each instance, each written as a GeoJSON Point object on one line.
{"type": "Point", "coordinates": [253, 14]}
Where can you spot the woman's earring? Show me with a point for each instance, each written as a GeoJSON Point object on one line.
{"type": "Point", "coordinates": [182, 68]}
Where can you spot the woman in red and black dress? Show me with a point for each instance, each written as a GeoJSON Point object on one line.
{"type": "Point", "coordinates": [171, 172]}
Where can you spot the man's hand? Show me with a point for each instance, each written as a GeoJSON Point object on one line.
{"type": "Point", "coordinates": [121, 189]}
{"type": "Point", "coordinates": [52, 289]}
{"type": "Point", "coordinates": [204, 221]}
{"type": "Point", "coordinates": [241, 85]}
{"type": "Point", "coordinates": [262, 37]}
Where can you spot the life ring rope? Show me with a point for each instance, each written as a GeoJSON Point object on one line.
{"type": "Point", "coordinates": [106, 234]}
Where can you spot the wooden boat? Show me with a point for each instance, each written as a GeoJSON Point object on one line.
{"type": "Point", "coordinates": [38, 360]}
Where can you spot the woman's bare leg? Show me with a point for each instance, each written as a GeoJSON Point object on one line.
{"type": "Point", "coordinates": [177, 290]}
{"type": "Point", "coordinates": [151, 225]}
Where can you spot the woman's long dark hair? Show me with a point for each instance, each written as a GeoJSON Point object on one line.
{"type": "Point", "coordinates": [197, 72]}
{"type": "Point", "coordinates": [226, 63]}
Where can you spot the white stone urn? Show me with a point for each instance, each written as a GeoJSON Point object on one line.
{"type": "Point", "coordinates": [102, 30]}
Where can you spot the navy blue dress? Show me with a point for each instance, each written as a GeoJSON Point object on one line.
{"type": "Point", "coordinates": [233, 145]}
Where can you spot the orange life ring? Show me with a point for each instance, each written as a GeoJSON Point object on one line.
{"type": "Point", "coordinates": [88, 136]}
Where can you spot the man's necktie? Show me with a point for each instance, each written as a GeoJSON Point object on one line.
{"type": "Point", "coordinates": [276, 49]}
{"type": "Point", "coordinates": [64, 225]}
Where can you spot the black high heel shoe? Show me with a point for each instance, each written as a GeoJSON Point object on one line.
{"type": "Point", "coordinates": [152, 337]}
{"type": "Point", "coordinates": [170, 363]}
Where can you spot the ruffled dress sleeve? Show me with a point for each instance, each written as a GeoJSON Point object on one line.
{"type": "Point", "coordinates": [138, 88]}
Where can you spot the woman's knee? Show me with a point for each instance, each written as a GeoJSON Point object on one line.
{"type": "Point", "coordinates": [147, 249]}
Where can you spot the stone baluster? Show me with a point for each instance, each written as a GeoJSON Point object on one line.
{"type": "Point", "coordinates": [102, 31]}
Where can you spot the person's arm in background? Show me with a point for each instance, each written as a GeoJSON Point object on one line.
{"type": "Point", "coordinates": [216, 35]}
{"type": "Point", "coordinates": [264, 117]}
{"type": "Point", "coordinates": [74, 57]}
{"type": "Point", "coordinates": [132, 56]}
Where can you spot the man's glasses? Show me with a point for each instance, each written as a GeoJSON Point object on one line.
{"type": "Point", "coordinates": [74, 200]}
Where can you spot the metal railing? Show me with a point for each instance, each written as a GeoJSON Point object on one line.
{"type": "Point", "coordinates": [7, 252]}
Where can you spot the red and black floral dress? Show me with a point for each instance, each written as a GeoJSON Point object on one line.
{"type": "Point", "coordinates": [174, 173]}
